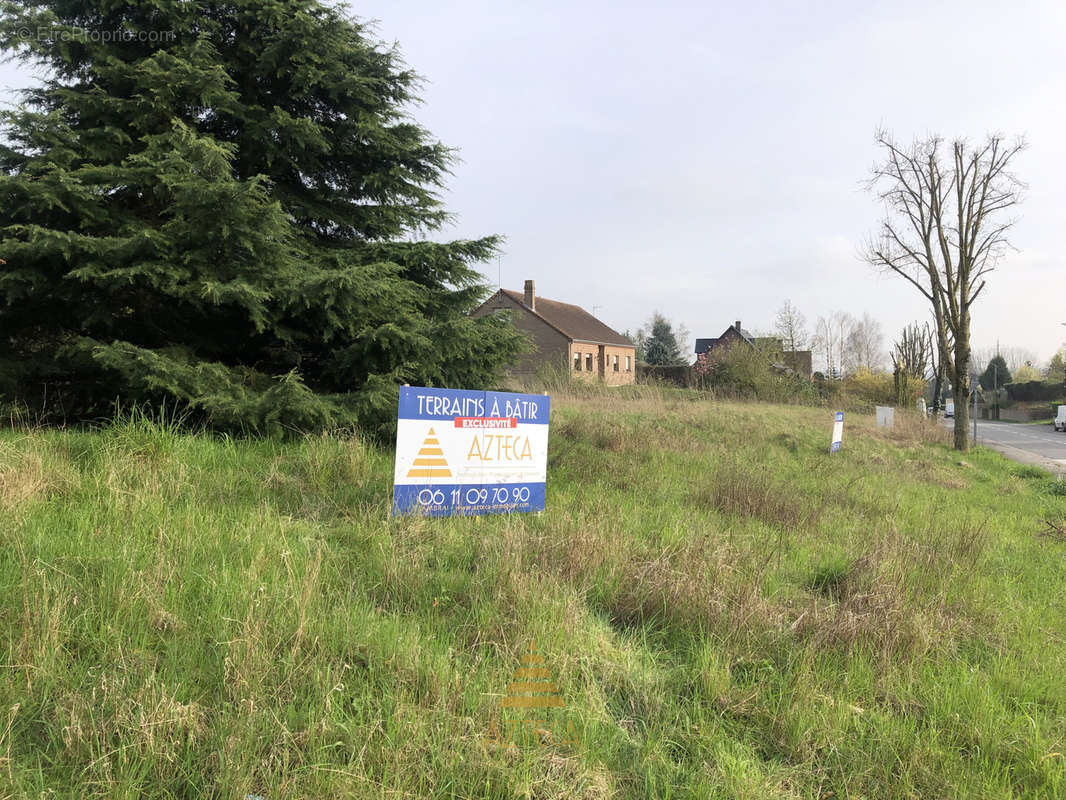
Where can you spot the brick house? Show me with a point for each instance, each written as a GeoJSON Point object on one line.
{"type": "Point", "coordinates": [565, 336]}
{"type": "Point", "coordinates": [799, 361]}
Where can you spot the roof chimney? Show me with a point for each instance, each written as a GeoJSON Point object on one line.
{"type": "Point", "coordinates": [531, 298]}
{"type": "Point", "coordinates": [737, 325]}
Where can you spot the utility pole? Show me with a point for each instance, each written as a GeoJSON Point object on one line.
{"type": "Point", "coordinates": [996, 381]}
{"type": "Point", "coordinates": [1063, 371]}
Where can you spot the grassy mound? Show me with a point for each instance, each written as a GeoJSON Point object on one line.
{"type": "Point", "coordinates": [727, 611]}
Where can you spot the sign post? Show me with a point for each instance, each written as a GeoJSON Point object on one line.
{"type": "Point", "coordinates": [838, 432]}
{"type": "Point", "coordinates": [466, 453]}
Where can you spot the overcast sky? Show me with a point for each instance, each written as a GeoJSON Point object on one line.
{"type": "Point", "coordinates": [709, 162]}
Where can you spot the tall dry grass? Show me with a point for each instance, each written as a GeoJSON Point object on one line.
{"type": "Point", "coordinates": [728, 611]}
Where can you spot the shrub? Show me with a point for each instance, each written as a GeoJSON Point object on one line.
{"type": "Point", "coordinates": [754, 372]}
{"type": "Point", "coordinates": [873, 387]}
{"type": "Point", "coordinates": [676, 374]}
{"type": "Point", "coordinates": [1033, 390]}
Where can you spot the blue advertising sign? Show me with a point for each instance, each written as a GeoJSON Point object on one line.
{"type": "Point", "coordinates": [469, 452]}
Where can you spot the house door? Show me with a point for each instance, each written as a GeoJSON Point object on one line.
{"type": "Point", "coordinates": [602, 365]}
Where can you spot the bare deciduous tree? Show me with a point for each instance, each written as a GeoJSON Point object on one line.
{"type": "Point", "coordinates": [864, 345]}
{"type": "Point", "coordinates": [823, 345]}
{"type": "Point", "coordinates": [830, 337]}
{"type": "Point", "coordinates": [791, 327]}
{"type": "Point", "coordinates": [911, 355]}
{"type": "Point", "coordinates": [1017, 357]}
{"type": "Point", "coordinates": [843, 323]}
{"type": "Point", "coordinates": [684, 343]}
{"type": "Point", "coordinates": [945, 229]}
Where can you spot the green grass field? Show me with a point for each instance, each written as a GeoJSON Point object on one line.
{"type": "Point", "coordinates": [728, 612]}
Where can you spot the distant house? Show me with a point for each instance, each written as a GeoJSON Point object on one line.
{"type": "Point", "coordinates": [565, 336]}
{"type": "Point", "coordinates": [799, 361]}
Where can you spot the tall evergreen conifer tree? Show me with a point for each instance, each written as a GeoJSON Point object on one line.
{"type": "Point", "coordinates": [224, 206]}
{"type": "Point", "coordinates": [660, 343]}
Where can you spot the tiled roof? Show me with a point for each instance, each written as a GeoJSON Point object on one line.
{"type": "Point", "coordinates": [703, 345]}
{"type": "Point", "coordinates": [572, 320]}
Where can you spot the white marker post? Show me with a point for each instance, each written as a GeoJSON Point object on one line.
{"type": "Point", "coordinates": [838, 432]}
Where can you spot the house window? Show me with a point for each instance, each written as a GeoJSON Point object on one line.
{"type": "Point", "coordinates": [588, 362]}
{"type": "Point", "coordinates": [627, 364]}
{"type": "Point", "coordinates": [616, 363]}
{"type": "Point", "coordinates": [577, 362]}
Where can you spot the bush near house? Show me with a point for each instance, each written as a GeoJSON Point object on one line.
{"type": "Point", "coordinates": [1034, 391]}
{"type": "Point", "coordinates": [868, 386]}
{"type": "Point", "coordinates": [674, 374]}
{"type": "Point", "coordinates": [754, 372]}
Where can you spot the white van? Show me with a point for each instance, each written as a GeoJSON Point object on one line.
{"type": "Point", "coordinates": [1060, 419]}
{"type": "Point", "coordinates": [949, 408]}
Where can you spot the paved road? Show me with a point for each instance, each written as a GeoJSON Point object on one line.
{"type": "Point", "coordinates": [1031, 444]}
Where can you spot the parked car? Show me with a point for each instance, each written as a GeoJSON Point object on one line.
{"type": "Point", "coordinates": [949, 408]}
{"type": "Point", "coordinates": [1060, 419]}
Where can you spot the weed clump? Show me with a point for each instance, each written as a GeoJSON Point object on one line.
{"type": "Point", "coordinates": [1029, 472]}
{"type": "Point", "coordinates": [831, 579]}
{"type": "Point", "coordinates": [1056, 487]}
{"type": "Point", "coordinates": [598, 432]}
{"type": "Point", "coordinates": [31, 474]}
{"type": "Point", "coordinates": [868, 608]}
{"type": "Point", "coordinates": [735, 488]}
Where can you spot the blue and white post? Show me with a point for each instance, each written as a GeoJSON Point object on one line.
{"type": "Point", "coordinates": [838, 432]}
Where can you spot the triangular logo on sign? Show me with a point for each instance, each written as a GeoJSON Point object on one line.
{"type": "Point", "coordinates": [430, 462]}
{"type": "Point", "coordinates": [526, 693]}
